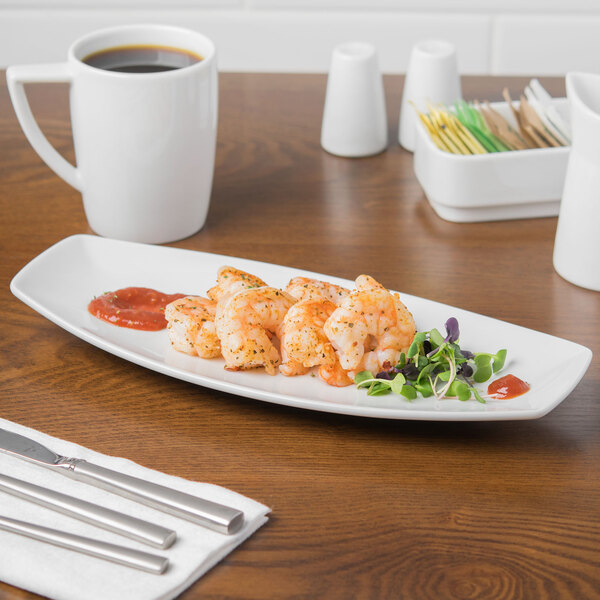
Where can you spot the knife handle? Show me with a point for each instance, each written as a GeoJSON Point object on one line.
{"type": "Point", "coordinates": [218, 517]}
{"type": "Point", "coordinates": [152, 563]}
{"type": "Point", "coordinates": [120, 523]}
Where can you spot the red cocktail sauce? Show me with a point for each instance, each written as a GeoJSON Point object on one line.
{"type": "Point", "coordinates": [133, 307]}
{"type": "Point", "coordinates": [507, 387]}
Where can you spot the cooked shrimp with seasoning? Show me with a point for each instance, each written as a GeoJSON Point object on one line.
{"type": "Point", "coordinates": [305, 345]}
{"type": "Point", "coordinates": [245, 323]}
{"type": "Point", "coordinates": [303, 341]}
{"type": "Point", "coordinates": [231, 280]}
{"type": "Point", "coordinates": [313, 324]}
{"type": "Point", "coordinates": [191, 327]}
{"type": "Point", "coordinates": [305, 288]}
{"type": "Point", "coordinates": [370, 329]}
{"type": "Point", "coordinates": [335, 375]}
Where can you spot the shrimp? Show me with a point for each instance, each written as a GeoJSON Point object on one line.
{"type": "Point", "coordinates": [305, 288]}
{"type": "Point", "coordinates": [366, 282]}
{"type": "Point", "coordinates": [405, 318]}
{"type": "Point", "coordinates": [370, 328]}
{"type": "Point", "coordinates": [303, 342]}
{"type": "Point", "coordinates": [191, 327]}
{"type": "Point", "coordinates": [245, 323]}
{"type": "Point", "coordinates": [335, 375]}
{"type": "Point", "coordinates": [231, 280]}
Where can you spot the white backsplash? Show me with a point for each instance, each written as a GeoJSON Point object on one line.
{"type": "Point", "coordinates": [508, 37]}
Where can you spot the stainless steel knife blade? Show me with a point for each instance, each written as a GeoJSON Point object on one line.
{"type": "Point", "coordinates": [13, 443]}
{"type": "Point", "coordinates": [218, 517]}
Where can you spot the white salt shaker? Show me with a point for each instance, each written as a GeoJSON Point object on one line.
{"type": "Point", "coordinates": [354, 116]}
{"type": "Point", "coordinates": [432, 75]}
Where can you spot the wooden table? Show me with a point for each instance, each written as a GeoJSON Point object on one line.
{"type": "Point", "coordinates": [362, 508]}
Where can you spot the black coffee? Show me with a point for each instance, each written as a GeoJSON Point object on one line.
{"type": "Point", "coordinates": [141, 59]}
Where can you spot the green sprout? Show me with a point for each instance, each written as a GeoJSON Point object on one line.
{"type": "Point", "coordinates": [435, 366]}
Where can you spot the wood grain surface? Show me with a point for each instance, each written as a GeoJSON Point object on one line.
{"type": "Point", "coordinates": [362, 508]}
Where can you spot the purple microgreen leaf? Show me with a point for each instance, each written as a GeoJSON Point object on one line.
{"type": "Point", "coordinates": [465, 370]}
{"type": "Point", "coordinates": [452, 330]}
{"type": "Point", "coordinates": [410, 371]}
{"type": "Point", "coordinates": [384, 375]}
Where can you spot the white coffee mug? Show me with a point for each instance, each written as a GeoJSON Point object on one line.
{"type": "Point", "coordinates": [144, 142]}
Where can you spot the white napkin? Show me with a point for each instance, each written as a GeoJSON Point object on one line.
{"type": "Point", "coordinates": [62, 574]}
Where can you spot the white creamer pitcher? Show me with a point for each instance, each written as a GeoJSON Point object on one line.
{"type": "Point", "coordinates": [577, 244]}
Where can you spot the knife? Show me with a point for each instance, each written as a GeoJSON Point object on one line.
{"type": "Point", "coordinates": [218, 517]}
{"type": "Point", "coordinates": [120, 523]}
{"type": "Point", "coordinates": [153, 563]}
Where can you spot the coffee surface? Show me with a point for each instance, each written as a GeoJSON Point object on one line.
{"type": "Point", "coordinates": [141, 59]}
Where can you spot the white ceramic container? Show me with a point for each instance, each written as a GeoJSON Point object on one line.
{"type": "Point", "coordinates": [492, 187]}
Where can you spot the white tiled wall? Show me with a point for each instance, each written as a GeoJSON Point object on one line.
{"type": "Point", "coordinates": [521, 37]}
{"type": "Point", "coordinates": [546, 44]}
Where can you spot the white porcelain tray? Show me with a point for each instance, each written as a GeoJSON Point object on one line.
{"type": "Point", "coordinates": [492, 187]}
{"type": "Point", "coordinates": [61, 281]}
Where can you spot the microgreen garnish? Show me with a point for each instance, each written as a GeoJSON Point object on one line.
{"type": "Point", "coordinates": [435, 365]}
{"type": "Point", "coordinates": [377, 386]}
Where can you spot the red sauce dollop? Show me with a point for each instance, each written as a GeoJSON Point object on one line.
{"type": "Point", "coordinates": [133, 307]}
{"type": "Point", "coordinates": [507, 387]}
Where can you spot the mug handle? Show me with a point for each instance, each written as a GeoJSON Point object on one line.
{"type": "Point", "coordinates": [18, 75]}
